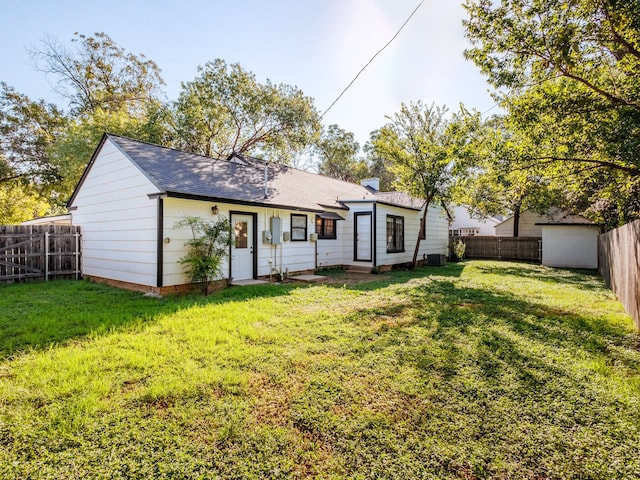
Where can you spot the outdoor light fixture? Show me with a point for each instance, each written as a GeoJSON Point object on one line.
{"type": "Point", "coordinates": [214, 209]}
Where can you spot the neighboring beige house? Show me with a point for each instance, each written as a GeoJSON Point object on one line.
{"type": "Point", "coordinates": [464, 225]}
{"type": "Point", "coordinates": [530, 223]}
{"type": "Point", "coordinates": [132, 194]}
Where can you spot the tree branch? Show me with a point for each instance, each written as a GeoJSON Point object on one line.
{"type": "Point", "coordinates": [617, 35]}
{"type": "Point", "coordinates": [634, 171]}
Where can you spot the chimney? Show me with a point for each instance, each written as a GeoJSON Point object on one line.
{"type": "Point", "coordinates": [371, 183]}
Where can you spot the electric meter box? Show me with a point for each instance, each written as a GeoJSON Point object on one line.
{"type": "Point", "coordinates": [276, 230]}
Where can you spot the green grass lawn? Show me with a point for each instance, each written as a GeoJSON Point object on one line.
{"type": "Point", "coordinates": [473, 370]}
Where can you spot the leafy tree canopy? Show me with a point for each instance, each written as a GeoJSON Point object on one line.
{"type": "Point", "coordinates": [107, 89]}
{"type": "Point", "coordinates": [499, 175]}
{"type": "Point", "coordinates": [378, 165]}
{"type": "Point", "coordinates": [20, 202]}
{"type": "Point", "coordinates": [337, 150]}
{"type": "Point", "coordinates": [27, 130]}
{"type": "Point", "coordinates": [226, 111]}
{"type": "Point", "coordinates": [568, 73]}
{"type": "Point", "coordinates": [98, 74]}
{"type": "Point", "coordinates": [77, 142]}
{"type": "Point", "coordinates": [417, 142]}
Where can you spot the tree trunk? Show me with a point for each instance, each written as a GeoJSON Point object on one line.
{"type": "Point", "coordinates": [516, 222]}
{"type": "Point", "coordinates": [414, 262]}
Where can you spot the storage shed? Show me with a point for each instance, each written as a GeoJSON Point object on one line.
{"type": "Point", "coordinates": [570, 245]}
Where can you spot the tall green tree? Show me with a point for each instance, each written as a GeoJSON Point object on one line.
{"type": "Point", "coordinates": [20, 201]}
{"type": "Point", "coordinates": [499, 176]}
{"type": "Point", "coordinates": [97, 74]}
{"type": "Point", "coordinates": [108, 90]}
{"type": "Point", "coordinates": [417, 143]}
{"type": "Point", "coordinates": [568, 74]}
{"type": "Point", "coordinates": [337, 151]}
{"type": "Point", "coordinates": [27, 130]}
{"type": "Point", "coordinates": [378, 166]}
{"type": "Point", "coordinates": [226, 111]}
{"type": "Point", "coordinates": [589, 152]}
{"type": "Point", "coordinates": [75, 144]}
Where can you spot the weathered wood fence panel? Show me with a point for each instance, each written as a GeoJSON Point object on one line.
{"type": "Point", "coordinates": [502, 248]}
{"type": "Point", "coordinates": [619, 265]}
{"type": "Point", "coordinates": [39, 252]}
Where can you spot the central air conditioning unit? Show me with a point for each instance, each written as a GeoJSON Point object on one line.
{"type": "Point", "coordinates": [436, 260]}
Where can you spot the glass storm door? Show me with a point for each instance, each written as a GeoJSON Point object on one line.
{"type": "Point", "coordinates": [242, 247]}
{"type": "Point", "coordinates": [363, 237]}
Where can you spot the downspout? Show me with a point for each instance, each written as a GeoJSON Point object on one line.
{"type": "Point", "coordinates": [375, 234]}
{"type": "Point", "coordinates": [230, 278]}
{"type": "Point", "coordinates": [160, 243]}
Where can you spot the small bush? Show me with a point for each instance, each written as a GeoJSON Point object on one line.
{"type": "Point", "coordinates": [458, 250]}
{"type": "Point", "coordinates": [208, 247]}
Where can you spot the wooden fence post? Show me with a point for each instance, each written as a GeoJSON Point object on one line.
{"type": "Point", "coordinates": [46, 256]}
{"type": "Point", "coordinates": [77, 253]}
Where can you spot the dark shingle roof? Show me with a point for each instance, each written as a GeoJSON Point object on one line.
{"type": "Point", "coordinates": [401, 199]}
{"type": "Point", "coordinates": [242, 180]}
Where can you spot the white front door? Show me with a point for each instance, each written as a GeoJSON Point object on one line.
{"type": "Point", "coordinates": [242, 247]}
{"type": "Point", "coordinates": [363, 237]}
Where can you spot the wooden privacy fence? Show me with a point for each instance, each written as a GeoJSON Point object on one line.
{"type": "Point", "coordinates": [619, 265]}
{"type": "Point", "coordinates": [502, 248]}
{"type": "Point", "coordinates": [39, 252]}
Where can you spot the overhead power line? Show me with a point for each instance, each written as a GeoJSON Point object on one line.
{"type": "Point", "coordinates": [372, 59]}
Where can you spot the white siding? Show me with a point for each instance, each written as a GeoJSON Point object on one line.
{"type": "Point", "coordinates": [570, 246]}
{"type": "Point", "coordinates": [173, 247]}
{"type": "Point", "coordinates": [120, 229]}
{"type": "Point", "coordinates": [437, 240]}
{"type": "Point", "coordinates": [336, 251]}
{"type": "Point", "coordinates": [437, 234]}
{"type": "Point", "coordinates": [526, 226]}
{"type": "Point", "coordinates": [118, 220]}
{"type": "Point", "coordinates": [291, 256]}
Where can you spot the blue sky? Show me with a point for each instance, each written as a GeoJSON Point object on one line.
{"type": "Point", "coordinates": [316, 45]}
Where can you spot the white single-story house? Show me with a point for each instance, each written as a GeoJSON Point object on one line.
{"type": "Point", "coordinates": [530, 224]}
{"type": "Point", "coordinates": [132, 193]}
{"type": "Point", "coordinates": [463, 224]}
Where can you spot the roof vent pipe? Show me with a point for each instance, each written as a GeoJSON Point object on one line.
{"type": "Point", "coordinates": [266, 180]}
